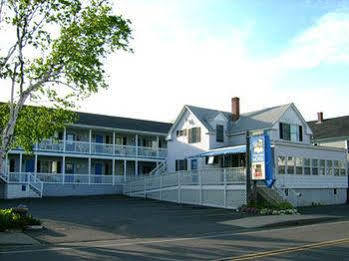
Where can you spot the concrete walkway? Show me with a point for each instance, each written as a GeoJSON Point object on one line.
{"type": "Point", "coordinates": [278, 220]}
{"type": "Point", "coordinates": [16, 238]}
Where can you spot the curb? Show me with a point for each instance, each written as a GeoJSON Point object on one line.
{"type": "Point", "coordinates": [301, 222]}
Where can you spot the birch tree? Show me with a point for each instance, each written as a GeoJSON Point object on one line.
{"type": "Point", "coordinates": [52, 53]}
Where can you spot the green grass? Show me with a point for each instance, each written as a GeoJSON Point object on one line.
{"type": "Point", "coordinates": [9, 219]}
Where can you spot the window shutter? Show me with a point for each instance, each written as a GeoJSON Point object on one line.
{"type": "Point", "coordinates": [281, 131]}
{"type": "Point", "coordinates": [300, 133]}
{"type": "Point", "coordinates": [185, 164]}
{"type": "Point", "coordinates": [176, 165]}
{"type": "Point", "coordinates": [190, 135]}
{"type": "Point", "coordinates": [198, 134]}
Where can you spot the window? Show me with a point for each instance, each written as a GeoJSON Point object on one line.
{"type": "Point", "coordinates": [194, 164]}
{"type": "Point", "coordinates": [290, 165]}
{"type": "Point", "coordinates": [181, 133]}
{"type": "Point", "coordinates": [336, 167]}
{"type": "Point", "coordinates": [181, 165]}
{"type": "Point", "coordinates": [299, 166]}
{"type": "Point", "coordinates": [194, 135]}
{"type": "Point", "coordinates": [335, 191]}
{"type": "Point", "coordinates": [342, 167]}
{"type": "Point", "coordinates": [220, 133]}
{"type": "Point", "coordinates": [315, 167]}
{"type": "Point", "coordinates": [306, 166]}
{"type": "Point", "coordinates": [291, 132]}
{"type": "Point", "coordinates": [281, 165]}
{"type": "Point", "coordinates": [322, 167]}
{"type": "Point", "coordinates": [329, 170]}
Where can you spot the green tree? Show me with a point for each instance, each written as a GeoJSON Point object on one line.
{"type": "Point", "coordinates": [52, 54]}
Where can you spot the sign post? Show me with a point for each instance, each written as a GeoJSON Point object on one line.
{"type": "Point", "coordinates": [248, 169]}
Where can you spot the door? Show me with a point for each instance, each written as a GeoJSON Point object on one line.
{"type": "Point", "coordinates": [70, 142]}
{"type": "Point", "coordinates": [98, 171]}
{"type": "Point", "coordinates": [99, 139]}
{"type": "Point", "coordinates": [69, 172]}
{"type": "Point", "coordinates": [29, 167]}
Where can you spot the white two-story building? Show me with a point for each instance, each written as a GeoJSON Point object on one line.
{"type": "Point", "coordinates": [93, 156]}
{"type": "Point", "coordinates": [306, 174]}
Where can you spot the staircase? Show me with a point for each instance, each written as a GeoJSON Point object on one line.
{"type": "Point", "coordinates": [34, 184]}
{"type": "Point", "coordinates": [271, 195]}
{"type": "Point", "coordinates": [159, 170]}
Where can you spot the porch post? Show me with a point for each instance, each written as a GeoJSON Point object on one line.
{"type": "Point", "coordinates": [64, 138]}
{"type": "Point", "coordinates": [89, 171]}
{"type": "Point", "coordinates": [113, 143]}
{"type": "Point", "coordinates": [7, 170]}
{"type": "Point", "coordinates": [63, 169]}
{"type": "Point", "coordinates": [200, 185]}
{"type": "Point", "coordinates": [20, 162]}
{"type": "Point", "coordinates": [136, 167]}
{"type": "Point", "coordinates": [179, 187]}
{"type": "Point", "coordinates": [90, 140]}
{"type": "Point", "coordinates": [125, 166]}
{"type": "Point", "coordinates": [36, 165]}
{"type": "Point", "coordinates": [113, 170]}
{"type": "Point", "coordinates": [225, 187]}
{"type": "Point", "coordinates": [158, 146]}
{"type": "Point", "coordinates": [136, 145]}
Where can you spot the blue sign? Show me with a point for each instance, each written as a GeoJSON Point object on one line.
{"type": "Point", "coordinates": [261, 159]}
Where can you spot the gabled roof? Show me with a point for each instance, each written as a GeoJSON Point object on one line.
{"type": "Point", "coordinates": [122, 123]}
{"type": "Point", "coordinates": [204, 115]}
{"type": "Point", "coordinates": [330, 128]}
{"type": "Point", "coordinates": [256, 120]}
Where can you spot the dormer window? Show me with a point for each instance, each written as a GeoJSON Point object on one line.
{"type": "Point", "coordinates": [291, 132]}
{"type": "Point", "coordinates": [219, 133]}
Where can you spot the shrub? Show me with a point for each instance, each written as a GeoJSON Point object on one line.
{"type": "Point", "coordinates": [10, 219]}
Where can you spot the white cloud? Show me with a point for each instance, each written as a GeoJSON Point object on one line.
{"type": "Point", "coordinates": [325, 42]}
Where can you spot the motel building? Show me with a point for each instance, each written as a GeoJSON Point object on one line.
{"type": "Point", "coordinates": [199, 159]}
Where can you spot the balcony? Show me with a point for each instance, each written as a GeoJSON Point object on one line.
{"type": "Point", "coordinates": [87, 148]}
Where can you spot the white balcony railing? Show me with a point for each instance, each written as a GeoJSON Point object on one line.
{"type": "Point", "coordinates": [83, 147]}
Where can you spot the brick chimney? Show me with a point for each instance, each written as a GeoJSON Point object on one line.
{"type": "Point", "coordinates": [320, 117]}
{"type": "Point", "coordinates": [235, 108]}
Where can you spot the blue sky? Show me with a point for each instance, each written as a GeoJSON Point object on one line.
{"type": "Point", "coordinates": [203, 52]}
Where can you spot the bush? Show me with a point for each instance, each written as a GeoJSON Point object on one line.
{"type": "Point", "coordinates": [10, 219]}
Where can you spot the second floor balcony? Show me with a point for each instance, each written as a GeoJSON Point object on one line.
{"type": "Point", "coordinates": [93, 148]}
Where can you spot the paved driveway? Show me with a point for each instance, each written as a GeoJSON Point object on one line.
{"type": "Point", "coordinates": [81, 219]}
{"type": "Point", "coordinates": [120, 228]}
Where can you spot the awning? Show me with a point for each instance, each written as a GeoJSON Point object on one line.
{"type": "Point", "coordinates": [222, 151]}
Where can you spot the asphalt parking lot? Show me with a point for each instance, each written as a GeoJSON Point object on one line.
{"type": "Point", "coordinates": [121, 228]}
{"type": "Point", "coordinates": [83, 219]}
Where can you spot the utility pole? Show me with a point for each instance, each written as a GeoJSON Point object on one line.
{"type": "Point", "coordinates": [248, 169]}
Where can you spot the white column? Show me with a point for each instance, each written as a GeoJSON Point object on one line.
{"type": "Point", "coordinates": [200, 186]}
{"type": "Point", "coordinates": [63, 169]}
{"type": "Point", "coordinates": [36, 165]}
{"type": "Point", "coordinates": [113, 142]}
{"type": "Point", "coordinates": [125, 166]}
{"type": "Point", "coordinates": [89, 171]}
{"type": "Point", "coordinates": [64, 138]}
{"type": "Point", "coordinates": [113, 170]}
{"type": "Point", "coordinates": [136, 167]}
{"type": "Point", "coordinates": [158, 147]}
{"type": "Point", "coordinates": [90, 140]}
{"type": "Point", "coordinates": [20, 162]}
{"type": "Point", "coordinates": [6, 165]}
{"type": "Point", "coordinates": [136, 145]}
{"type": "Point", "coordinates": [179, 187]}
{"type": "Point", "coordinates": [225, 187]}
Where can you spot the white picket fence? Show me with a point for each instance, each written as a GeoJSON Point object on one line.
{"type": "Point", "coordinates": [224, 188]}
